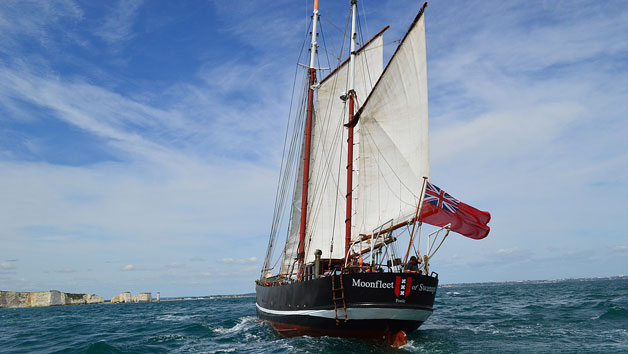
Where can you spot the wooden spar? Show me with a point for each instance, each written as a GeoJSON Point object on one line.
{"type": "Point", "coordinates": [351, 94]}
{"type": "Point", "coordinates": [376, 247]}
{"type": "Point", "coordinates": [349, 177]}
{"type": "Point", "coordinates": [308, 140]}
{"type": "Point", "coordinates": [377, 83]}
{"type": "Point", "coordinates": [418, 211]}
{"type": "Point", "coordinates": [331, 74]}
{"type": "Point", "coordinates": [364, 237]}
{"type": "Point", "coordinates": [306, 163]}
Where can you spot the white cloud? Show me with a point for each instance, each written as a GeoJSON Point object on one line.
{"type": "Point", "coordinates": [119, 24]}
{"type": "Point", "coordinates": [128, 267]}
{"type": "Point", "coordinates": [38, 21]}
{"type": "Point", "coordinates": [621, 249]}
{"type": "Point", "coordinates": [239, 260]}
{"type": "Point", "coordinates": [6, 266]}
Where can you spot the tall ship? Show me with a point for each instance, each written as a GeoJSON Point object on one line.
{"type": "Point", "coordinates": [354, 194]}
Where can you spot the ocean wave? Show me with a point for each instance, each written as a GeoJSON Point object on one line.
{"type": "Point", "coordinates": [166, 338]}
{"type": "Point", "coordinates": [175, 318]}
{"type": "Point", "coordinates": [243, 324]}
{"type": "Point", "coordinates": [102, 347]}
{"type": "Point", "coordinates": [615, 313]}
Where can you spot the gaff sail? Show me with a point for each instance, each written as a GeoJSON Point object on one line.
{"type": "Point", "coordinates": [394, 145]}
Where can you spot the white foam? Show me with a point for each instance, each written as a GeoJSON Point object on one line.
{"type": "Point", "coordinates": [243, 324]}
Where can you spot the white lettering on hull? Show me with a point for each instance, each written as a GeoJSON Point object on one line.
{"type": "Point", "coordinates": [421, 287]}
{"type": "Point", "coordinates": [359, 283]}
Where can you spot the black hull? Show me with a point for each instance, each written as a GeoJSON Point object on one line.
{"type": "Point", "coordinates": [378, 305]}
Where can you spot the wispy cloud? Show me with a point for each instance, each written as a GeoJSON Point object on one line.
{"type": "Point", "coordinates": [175, 265]}
{"type": "Point", "coordinates": [66, 270]}
{"type": "Point", "coordinates": [521, 98]}
{"type": "Point", "coordinates": [41, 22]}
{"type": "Point", "coordinates": [249, 260]}
{"type": "Point", "coordinates": [118, 26]}
{"type": "Point", "coordinates": [129, 267]}
{"type": "Point", "coordinates": [620, 249]}
{"type": "Point", "coordinates": [7, 266]}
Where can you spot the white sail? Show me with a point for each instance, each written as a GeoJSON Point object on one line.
{"type": "Point", "coordinates": [328, 180]}
{"type": "Point", "coordinates": [292, 241]}
{"type": "Point", "coordinates": [394, 144]}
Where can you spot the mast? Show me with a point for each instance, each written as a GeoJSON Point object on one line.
{"type": "Point", "coordinates": [350, 126]}
{"type": "Point", "coordinates": [308, 137]}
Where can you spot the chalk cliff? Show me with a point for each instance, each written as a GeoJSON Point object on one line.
{"type": "Point", "coordinates": [126, 297]}
{"type": "Point", "coordinates": [123, 297]}
{"type": "Point", "coordinates": [143, 297]}
{"type": "Point", "coordinates": [46, 298]}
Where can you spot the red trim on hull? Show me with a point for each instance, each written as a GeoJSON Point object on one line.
{"type": "Point", "coordinates": [291, 330]}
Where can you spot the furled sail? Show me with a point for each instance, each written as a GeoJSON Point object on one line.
{"type": "Point", "coordinates": [328, 180]}
{"type": "Point", "coordinates": [394, 144]}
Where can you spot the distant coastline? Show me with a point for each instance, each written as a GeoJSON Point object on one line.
{"type": "Point", "coordinates": [20, 299]}
{"type": "Point", "coordinates": [209, 297]}
{"type": "Point", "coordinates": [540, 281]}
{"type": "Point", "coordinates": [12, 299]}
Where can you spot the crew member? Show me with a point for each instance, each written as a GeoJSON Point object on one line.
{"type": "Point", "coordinates": [412, 266]}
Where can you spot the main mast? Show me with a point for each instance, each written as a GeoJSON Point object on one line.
{"type": "Point", "coordinates": [350, 125]}
{"type": "Point", "coordinates": [308, 137]}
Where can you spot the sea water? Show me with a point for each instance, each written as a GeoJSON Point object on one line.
{"type": "Point", "coordinates": [570, 316]}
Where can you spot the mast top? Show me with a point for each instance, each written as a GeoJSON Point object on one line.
{"type": "Point", "coordinates": [314, 45]}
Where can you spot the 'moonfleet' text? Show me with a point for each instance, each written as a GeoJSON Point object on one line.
{"type": "Point", "coordinates": [358, 283]}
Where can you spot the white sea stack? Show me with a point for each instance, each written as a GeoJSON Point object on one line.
{"type": "Point", "coordinates": [125, 296]}
{"type": "Point", "coordinates": [144, 297]}
{"type": "Point", "coordinates": [94, 299]}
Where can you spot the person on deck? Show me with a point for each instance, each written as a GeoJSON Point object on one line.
{"type": "Point", "coordinates": [412, 266]}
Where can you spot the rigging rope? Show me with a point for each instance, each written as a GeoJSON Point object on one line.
{"type": "Point", "coordinates": [286, 167]}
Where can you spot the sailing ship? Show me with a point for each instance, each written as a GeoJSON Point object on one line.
{"type": "Point", "coordinates": [340, 272]}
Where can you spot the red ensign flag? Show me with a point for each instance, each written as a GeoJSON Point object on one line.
{"type": "Point", "coordinates": [440, 209]}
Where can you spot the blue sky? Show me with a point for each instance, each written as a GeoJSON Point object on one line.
{"type": "Point", "coordinates": [140, 142]}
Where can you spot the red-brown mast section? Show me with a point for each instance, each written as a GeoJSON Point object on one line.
{"type": "Point", "coordinates": [308, 139]}
{"type": "Point", "coordinates": [349, 173]}
{"type": "Point", "coordinates": [350, 125]}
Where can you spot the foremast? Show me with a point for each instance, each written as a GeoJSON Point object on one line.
{"type": "Point", "coordinates": [350, 125]}
{"type": "Point", "coordinates": [308, 137]}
